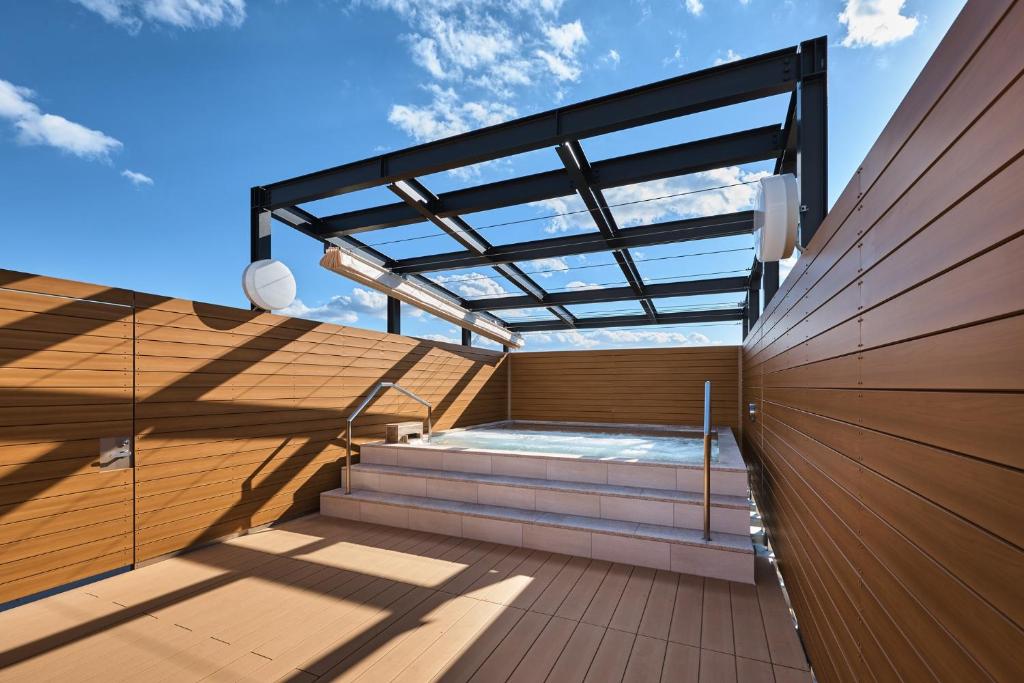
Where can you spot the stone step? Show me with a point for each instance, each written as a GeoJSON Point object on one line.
{"type": "Point", "coordinates": [682, 509]}
{"type": "Point", "coordinates": [730, 480]}
{"type": "Point", "coordinates": [726, 556]}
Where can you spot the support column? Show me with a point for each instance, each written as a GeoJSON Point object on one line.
{"type": "Point", "coordinates": [770, 281]}
{"type": "Point", "coordinates": [394, 316]}
{"type": "Point", "coordinates": [467, 337]}
{"type": "Point", "coordinates": [812, 136]}
{"type": "Point", "coordinates": [259, 228]}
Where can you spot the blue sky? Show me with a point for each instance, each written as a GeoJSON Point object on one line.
{"type": "Point", "coordinates": [132, 130]}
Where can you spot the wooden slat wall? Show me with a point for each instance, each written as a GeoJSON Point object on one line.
{"type": "Point", "coordinates": [240, 416]}
{"type": "Point", "coordinates": [657, 386]}
{"type": "Point", "coordinates": [889, 375]}
{"type": "Point", "coordinates": [65, 382]}
{"type": "Point", "coordinates": [237, 419]}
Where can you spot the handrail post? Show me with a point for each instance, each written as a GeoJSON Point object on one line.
{"type": "Point", "coordinates": [707, 461]}
{"type": "Point", "coordinates": [362, 406]}
{"type": "Point", "coordinates": [348, 457]}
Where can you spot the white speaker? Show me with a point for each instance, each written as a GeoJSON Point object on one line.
{"type": "Point", "coordinates": [268, 284]}
{"type": "Point", "coordinates": [776, 217]}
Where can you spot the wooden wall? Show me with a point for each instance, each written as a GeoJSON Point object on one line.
{"type": "Point", "coordinates": [237, 418]}
{"type": "Point", "coordinates": [239, 415]}
{"type": "Point", "coordinates": [65, 382]}
{"type": "Point", "coordinates": [661, 386]}
{"type": "Point", "coordinates": [889, 376]}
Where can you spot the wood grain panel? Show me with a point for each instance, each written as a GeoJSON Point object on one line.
{"type": "Point", "coordinates": [652, 386]}
{"type": "Point", "coordinates": [888, 374]}
{"type": "Point", "coordinates": [240, 415]}
{"type": "Point", "coordinates": [65, 383]}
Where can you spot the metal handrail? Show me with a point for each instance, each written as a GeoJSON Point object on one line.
{"type": "Point", "coordinates": [707, 461]}
{"type": "Point", "coordinates": [361, 408]}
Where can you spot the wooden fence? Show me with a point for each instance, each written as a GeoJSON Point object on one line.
{"type": "Point", "coordinates": [888, 373]}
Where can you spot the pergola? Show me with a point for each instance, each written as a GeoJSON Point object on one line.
{"type": "Point", "coordinates": [796, 145]}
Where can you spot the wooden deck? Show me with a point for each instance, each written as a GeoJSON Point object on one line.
{"type": "Point", "coordinates": [321, 598]}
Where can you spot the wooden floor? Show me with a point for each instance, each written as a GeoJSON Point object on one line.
{"type": "Point", "coordinates": [324, 598]}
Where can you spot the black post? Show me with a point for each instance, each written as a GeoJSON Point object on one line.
{"type": "Point", "coordinates": [467, 337]}
{"type": "Point", "coordinates": [745, 326]}
{"type": "Point", "coordinates": [259, 228]}
{"type": "Point", "coordinates": [770, 280]}
{"type": "Point", "coordinates": [812, 136]}
{"type": "Point", "coordinates": [394, 316]}
{"type": "Point", "coordinates": [506, 348]}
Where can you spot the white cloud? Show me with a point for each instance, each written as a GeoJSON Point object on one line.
{"type": "Point", "coordinates": [580, 285]}
{"type": "Point", "coordinates": [589, 339]}
{"type": "Point", "coordinates": [137, 179]}
{"type": "Point", "coordinates": [612, 57]}
{"type": "Point", "coordinates": [38, 128]}
{"type": "Point", "coordinates": [487, 48]}
{"type": "Point", "coordinates": [191, 14]}
{"type": "Point", "coordinates": [875, 23]}
{"type": "Point", "coordinates": [342, 310]}
{"type": "Point", "coordinates": [567, 38]}
{"type": "Point", "coordinates": [336, 311]}
{"type": "Point", "coordinates": [676, 59]}
{"type": "Point", "coordinates": [695, 7]}
{"type": "Point", "coordinates": [640, 204]}
{"type": "Point", "coordinates": [730, 56]}
{"type": "Point", "coordinates": [547, 267]}
{"type": "Point", "coordinates": [441, 338]}
{"type": "Point", "coordinates": [473, 285]}
{"type": "Point", "coordinates": [447, 115]}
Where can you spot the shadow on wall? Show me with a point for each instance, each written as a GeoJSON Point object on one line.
{"type": "Point", "coordinates": [237, 418]}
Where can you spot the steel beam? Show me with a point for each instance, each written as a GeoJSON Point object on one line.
{"type": "Point", "coordinates": [259, 226]}
{"type": "Point", "coordinates": [304, 222]}
{"type": "Point", "coordinates": [662, 290]}
{"type": "Point", "coordinates": [758, 144]}
{"type": "Point", "coordinates": [467, 337]}
{"type": "Point", "coordinates": [749, 79]}
{"type": "Point", "coordinates": [418, 197]}
{"type": "Point", "coordinates": [580, 173]}
{"type": "Point", "coordinates": [708, 227]}
{"type": "Point", "coordinates": [770, 280]}
{"type": "Point", "coordinates": [394, 316]}
{"type": "Point", "coordinates": [812, 136]}
{"type": "Point", "coordinates": [753, 303]}
{"type": "Point", "coordinates": [685, 317]}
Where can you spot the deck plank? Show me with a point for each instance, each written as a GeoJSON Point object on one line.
{"type": "Point", "coordinates": [716, 629]}
{"type": "Point", "coordinates": [574, 662]}
{"type": "Point", "coordinates": [582, 594]}
{"type": "Point", "coordinates": [606, 600]}
{"type": "Point", "coordinates": [682, 663]}
{"type": "Point", "coordinates": [541, 657]}
{"type": "Point", "coordinates": [612, 656]}
{"type": "Point", "coordinates": [321, 599]}
{"type": "Point", "coordinates": [688, 611]}
{"type": "Point", "coordinates": [657, 619]}
{"type": "Point", "coordinates": [645, 661]}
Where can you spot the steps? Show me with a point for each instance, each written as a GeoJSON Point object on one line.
{"type": "Point", "coordinates": [681, 509]}
{"type": "Point", "coordinates": [727, 556]}
{"type": "Point", "coordinates": [642, 513]}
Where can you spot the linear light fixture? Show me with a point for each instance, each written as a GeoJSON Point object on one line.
{"type": "Point", "coordinates": [355, 267]}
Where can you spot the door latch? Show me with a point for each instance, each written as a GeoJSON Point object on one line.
{"type": "Point", "coordinates": [115, 452]}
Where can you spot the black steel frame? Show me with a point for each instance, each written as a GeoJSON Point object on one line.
{"type": "Point", "coordinates": [797, 145]}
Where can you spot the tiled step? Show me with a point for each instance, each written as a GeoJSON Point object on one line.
{"type": "Point", "coordinates": [682, 509]}
{"type": "Point", "coordinates": [730, 481]}
{"type": "Point", "coordinates": [726, 556]}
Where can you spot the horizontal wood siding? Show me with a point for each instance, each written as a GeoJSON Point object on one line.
{"type": "Point", "coordinates": [65, 382]}
{"type": "Point", "coordinates": [658, 386]}
{"type": "Point", "coordinates": [238, 419]}
{"type": "Point", "coordinates": [889, 377]}
{"type": "Point", "coordinates": [241, 416]}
